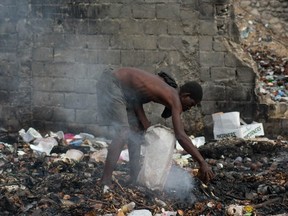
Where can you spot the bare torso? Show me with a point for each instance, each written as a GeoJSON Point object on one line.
{"type": "Point", "coordinates": [148, 87]}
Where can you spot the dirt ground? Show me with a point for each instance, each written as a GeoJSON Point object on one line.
{"type": "Point", "coordinates": [249, 173]}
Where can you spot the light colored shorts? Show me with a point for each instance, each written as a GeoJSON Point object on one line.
{"type": "Point", "coordinates": [113, 108]}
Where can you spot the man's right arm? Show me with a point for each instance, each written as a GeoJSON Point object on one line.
{"type": "Point", "coordinates": [206, 173]}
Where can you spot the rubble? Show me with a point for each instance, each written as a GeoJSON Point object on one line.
{"type": "Point", "coordinates": [269, 50]}
{"type": "Point", "coordinates": [252, 177]}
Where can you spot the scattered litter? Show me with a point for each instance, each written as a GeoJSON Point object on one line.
{"type": "Point", "coordinates": [99, 155]}
{"type": "Point", "coordinates": [30, 135]}
{"type": "Point", "coordinates": [44, 144]}
{"type": "Point", "coordinates": [229, 125]}
{"type": "Point", "coordinates": [142, 212]}
{"type": "Point", "coordinates": [124, 155]}
{"type": "Point", "coordinates": [67, 181]}
{"type": "Point", "coordinates": [74, 154]}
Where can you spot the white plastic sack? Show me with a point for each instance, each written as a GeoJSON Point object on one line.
{"type": "Point", "coordinates": [158, 152]}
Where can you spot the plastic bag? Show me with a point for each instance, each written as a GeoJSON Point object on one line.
{"type": "Point", "coordinates": [158, 152]}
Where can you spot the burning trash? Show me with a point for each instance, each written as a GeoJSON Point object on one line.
{"type": "Point", "coordinates": [251, 180]}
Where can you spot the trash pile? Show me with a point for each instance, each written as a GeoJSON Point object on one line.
{"type": "Point", "coordinates": [59, 174]}
{"type": "Point", "coordinates": [268, 50]}
{"type": "Point", "coordinates": [273, 72]}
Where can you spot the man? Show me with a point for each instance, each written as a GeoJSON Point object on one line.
{"type": "Point", "coordinates": [121, 95]}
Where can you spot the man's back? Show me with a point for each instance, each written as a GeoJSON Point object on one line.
{"type": "Point", "coordinates": [148, 87]}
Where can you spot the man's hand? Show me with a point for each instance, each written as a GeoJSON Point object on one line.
{"type": "Point", "coordinates": [205, 173]}
{"type": "Point", "coordinates": [146, 125]}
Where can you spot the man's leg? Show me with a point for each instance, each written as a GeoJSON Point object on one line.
{"type": "Point", "coordinates": [134, 147]}
{"type": "Point", "coordinates": [135, 140]}
{"type": "Point", "coordinates": [114, 151]}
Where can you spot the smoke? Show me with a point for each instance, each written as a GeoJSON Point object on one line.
{"type": "Point", "coordinates": [180, 184]}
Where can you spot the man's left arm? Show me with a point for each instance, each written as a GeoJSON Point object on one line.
{"type": "Point", "coordinates": [138, 109]}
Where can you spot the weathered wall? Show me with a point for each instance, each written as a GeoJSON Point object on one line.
{"type": "Point", "coordinates": [15, 64]}
{"type": "Point", "coordinates": [52, 53]}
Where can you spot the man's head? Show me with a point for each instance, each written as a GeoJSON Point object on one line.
{"type": "Point", "coordinates": [191, 94]}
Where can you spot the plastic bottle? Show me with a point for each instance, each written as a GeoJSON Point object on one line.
{"type": "Point", "coordinates": [128, 207]}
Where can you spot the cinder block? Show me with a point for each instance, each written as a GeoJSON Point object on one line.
{"type": "Point", "coordinates": [4, 97]}
{"type": "Point", "coordinates": [231, 60]}
{"type": "Point", "coordinates": [63, 85]}
{"type": "Point", "coordinates": [207, 27]}
{"type": "Point", "coordinates": [130, 27]}
{"type": "Point", "coordinates": [212, 92]}
{"type": "Point", "coordinates": [156, 27]}
{"type": "Point", "coordinates": [169, 42]}
{"type": "Point", "coordinates": [132, 58]}
{"type": "Point", "coordinates": [210, 59]}
{"type": "Point", "coordinates": [63, 115]}
{"type": "Point", "coordinates": [245, 75]}
{"type": "Point", "coordinates": [85, 86]}
{"type": "Point", "coordinates": [175, 28]}
{"type": "Point", "coordinates": [171, 11]}
{"type": "Point", "coordinates": [173, 57]}
{"type": "Point", "coordinates": [87, 56]}
{"type": "Point", "coordinates": [205, 43]}
{"type": "Point", "coordinates": [48, 99]}
{"type": "Point", "coordinates": [208, 107]}
{"type": "Point", "coordinates": [120, 10]}
{"type": "Point", "coordinates": [76, 101]}
{"type": "Point", "coordinates": [86, 116]}
{"type": "Point", "coordinates": [64, 55]}
{"type": "Point", "coordinates": [109, 26]}
{"type": "Point", "coordinates": [144, 11]}
{"type": "Point", "coordinates": [42, 84]}
{"type": "Point", "coordinates": [144, 42]}
{"type": "Point", "coordinates": [42, 54]}
{"type": "Point", "coordinates": [188, 14]}
{"type": "Point", "coordinates": [154, 57]}
{"type": "Point", "coordinates": [7, 27]}
{"type": "Point", "coordinates": [66, 70]}
{"type": "Point", "coordinates": [109, 57]}
{"type": "Point", "coordinates": [218, 45]}
{"type": "Point", "coordinates": [239, 93]}
{"type": "Point", "coordinates": [223, 73]}
{"type": "Point", "coordinates": [205, 74]}
{"type": "Point", "coordinates": [42, 113]}
{"type": "Point", "coordinates": [121, 41]}
{"type": "Point", "coordinates": [206, 11]}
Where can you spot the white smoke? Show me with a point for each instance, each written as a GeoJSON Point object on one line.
{"type": "Point", "coordinates": [180, 184]}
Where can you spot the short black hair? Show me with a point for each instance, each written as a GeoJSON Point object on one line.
{"type": "Point", "coordinates": [194, 88]}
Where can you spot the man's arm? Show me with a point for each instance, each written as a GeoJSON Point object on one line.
{"type": "Point", "coordinates": [138, 109]}
{"type": "Point", "coordinates": [206, 173]}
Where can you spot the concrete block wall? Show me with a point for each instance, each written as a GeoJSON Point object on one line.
{"type": "Point", "coordinates": [15, 65]}
{"type": "Point", "coordinates": [52, 53]}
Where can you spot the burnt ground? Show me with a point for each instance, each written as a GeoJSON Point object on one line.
{"type": "Point", "coordinates": [248, 172]}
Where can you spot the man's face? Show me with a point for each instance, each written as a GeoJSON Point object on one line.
{"type": "Point", "coordinates": [187, 102]}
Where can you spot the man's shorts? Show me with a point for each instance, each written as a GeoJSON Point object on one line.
{"type": "Point", "coordinates": [112, 105]}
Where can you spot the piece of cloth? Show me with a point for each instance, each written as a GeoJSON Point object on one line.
{"type": "Point", "coordinates": [170, 81]}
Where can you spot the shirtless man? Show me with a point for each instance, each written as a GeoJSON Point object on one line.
{"type": "Point", "coordinates": [121, 95]}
